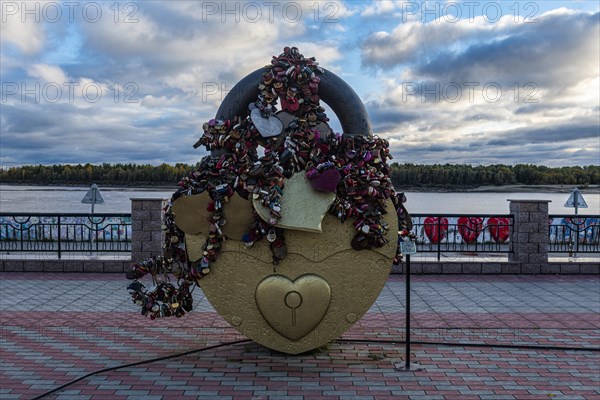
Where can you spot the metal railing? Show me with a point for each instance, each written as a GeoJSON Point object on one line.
{"type": "Point", "coordinates": [69, 232]}
{"type": "Point", "coordinates": [574, 233]}
{"type": "Point", "coordinates": [436, 234]}
{"type": "Point", "coordinates": [469, 234]}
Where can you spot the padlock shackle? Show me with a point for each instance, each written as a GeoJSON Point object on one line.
{"type": "Point", "coordinates": [333, 90]}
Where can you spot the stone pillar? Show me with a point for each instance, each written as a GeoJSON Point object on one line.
{"type": "Point", "coordinates": [529, 235]}
{"type": "Point", "coordinates": [146, 233]}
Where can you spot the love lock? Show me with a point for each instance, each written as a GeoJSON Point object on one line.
{"type": "Point", "coordinates": [307, 283]}
{"type": "Point", "coordinates": [267, 126]}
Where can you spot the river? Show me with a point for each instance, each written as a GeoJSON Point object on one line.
{"type": "Point", "coordinates": [61, 199]}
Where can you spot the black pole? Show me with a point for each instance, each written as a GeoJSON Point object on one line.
{"type": "Point", "coordinates": [59, 241]}
{"type": "Point", "coordinates": [407, 366]}
{"type": "Point", "coordinates": [407, 312]}
{"type": "Point", "coordinates": [439, 238]}
{"type": "Point", "coordinates": [22, 232]}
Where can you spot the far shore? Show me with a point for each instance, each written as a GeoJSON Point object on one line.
{"type": "Point", "coordinates": [440, 189]}
{"type": "Point", "coordinates": [508, 189]}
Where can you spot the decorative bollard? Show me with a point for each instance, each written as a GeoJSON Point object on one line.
{"type": "Point", "coordinates": [291, 247]}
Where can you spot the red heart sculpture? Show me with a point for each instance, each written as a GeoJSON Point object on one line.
{"type": "Point", "coordinates": [431, 225]}
{"type": "Point", "coordinates": [326, 181]}
{"type": "Point", "coordinates": [499, 229]}
{"type": "Point", "coordinates": [470, 228]}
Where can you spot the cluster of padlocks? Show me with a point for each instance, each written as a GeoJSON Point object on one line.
{"type": "Point", "coordinates": [294, 140]}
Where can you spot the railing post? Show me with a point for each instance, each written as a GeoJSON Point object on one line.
{"type": "Point", "coordinates": [577, 236]}
{"type": "Point", "coordinates": [21, 235]}
{"type": "Point", "coordinates": [59, 239]}
{"type": "Point", "coordinates": [407, 334]}
{"type": "Point", "coordinates": [146, 233]}
{"type": "Point", "coordinates": [477, 233]}
{"type": "Point", "coordinates": [529, 238]}
{"type": "Point", "coordinates": [439, 238]}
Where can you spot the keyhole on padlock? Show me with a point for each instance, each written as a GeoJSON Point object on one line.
{"type": "Point", "coordinates": [293, 300]}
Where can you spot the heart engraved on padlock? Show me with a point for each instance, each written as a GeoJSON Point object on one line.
{"type": "Point", "coordinates": [293, 308]}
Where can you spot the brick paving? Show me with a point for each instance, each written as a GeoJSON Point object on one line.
{"type": "Point", "coordinates": [57, 327]}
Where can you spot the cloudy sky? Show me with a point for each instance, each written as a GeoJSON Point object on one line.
{"type": "Point", "coordinates": [475, 82]}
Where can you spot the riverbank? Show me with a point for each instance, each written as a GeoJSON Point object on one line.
{"type": "Point", "coordinates": [594, 189]}
{"type": "Point", "coordinates": [537, 188]}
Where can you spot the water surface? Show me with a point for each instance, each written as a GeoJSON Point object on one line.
{"type": "Point", "coordinates": [60, 199]}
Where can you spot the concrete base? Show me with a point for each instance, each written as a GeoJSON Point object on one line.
{"type": "Point", "coordinates": [490, 268]}
{"type": "Point", "coordinates": [81, 265]}
{"type": "Point", "coordinates": [412, 367]}
{"type": "Point", "coordinates": [123, 264]}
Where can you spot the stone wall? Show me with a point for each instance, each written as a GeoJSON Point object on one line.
{"type": "Point", "coordinates": [146, 232]}
{"type": "Point", "coordinates": [529, 236]}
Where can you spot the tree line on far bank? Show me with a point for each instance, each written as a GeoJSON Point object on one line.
{"type": "Point", "coordinates": [466, 175]}
{"type": "Point", "coordinates": [402, 175]}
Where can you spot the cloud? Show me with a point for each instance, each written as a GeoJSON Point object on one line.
{"type": "Point", "coordinates": [549, 134]}
{"type": "Point", "coordinates": [21, 30]}
{"type": "Point", "coordinates": [48, 73]}
{"type": "Point", "coordinates": [385, 118]}
{"type": "Point", "coordinates": [573, 143]}
{"type": "Point", "coordinates": [164, 58]}
{"type": "Point", "coordinates": [106, 132]}
{"type": "Point", "coordinates": [545, 154]}
{"type": "Point", "coordinates": [558, 51]}
{"type": "Point", "coordinates": [414, 41]}
{"type": "Point", "coordinates": [184, 43]}
{"type": "Point", "coordinates": [511, 90]}
{"type": "Point", "coordinates": [156, 69]}
{"type": "Point", "coordinates": [378, 8]}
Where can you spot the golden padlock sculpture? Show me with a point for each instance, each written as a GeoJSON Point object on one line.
{"type": "Point", "coordinates": [323, 286]}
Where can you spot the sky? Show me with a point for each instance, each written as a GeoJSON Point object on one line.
{"type": "Point", "coordinates": [478, 82]}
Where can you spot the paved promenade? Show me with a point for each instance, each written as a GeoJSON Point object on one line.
{"type": "Point", "coordinates": [57, 327]}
